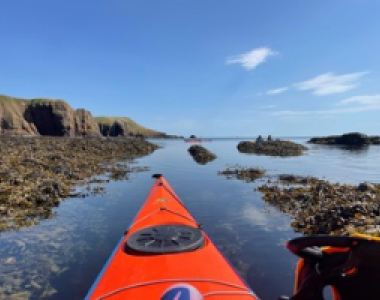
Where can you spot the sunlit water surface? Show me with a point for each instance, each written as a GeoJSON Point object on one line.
{"type": "Point", "coordinates": [60, 258]}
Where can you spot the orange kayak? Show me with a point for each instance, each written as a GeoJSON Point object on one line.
{"type": "Point", "coordinates": [165, 255]}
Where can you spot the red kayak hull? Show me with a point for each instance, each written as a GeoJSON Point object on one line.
{"type": "Point", "coordinates": [134, 276]}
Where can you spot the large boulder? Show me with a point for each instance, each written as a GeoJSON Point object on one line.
{"type": "Point", "coordinates": [355, 139]}
{"type": "Point", "coordinates": [201, 155]}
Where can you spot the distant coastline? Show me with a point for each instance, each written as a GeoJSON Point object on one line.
{"type": "Point", "coordinates": [52, 117]}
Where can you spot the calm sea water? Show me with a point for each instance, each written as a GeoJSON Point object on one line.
{"type": "Point", "coordinates": [60, 258]}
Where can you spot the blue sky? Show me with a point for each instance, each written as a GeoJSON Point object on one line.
{"type": "Point", "coordinates": [204, 67]}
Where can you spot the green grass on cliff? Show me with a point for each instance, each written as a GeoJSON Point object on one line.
{"type": "Point", "coordinates": [8, 99]}
{"type": "Point", "coordinates": [131, 125]}
{"type": "Point", "coordinates": [46, 101]}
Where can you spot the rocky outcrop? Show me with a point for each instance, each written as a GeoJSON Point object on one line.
{"type": "Point", "coordinates": [348, 139]}
{"type": "Point", "coordinates": [272, 148]}
{"type": "Point", "coordinates": [54, 118]}
{"type": "Point", "coordinates": [124, 126]}
{"type": "Point", "coordinates": [57, 118]}
{"type": "Point", "coordinates": [12, 121]}
{"type": "Point", "coordinates": [85, 124]}
{"type": "Point", "coordinates": [117, 128]}
{"type": "Point", "coordinates": [355, 139]}
{"type": "Point", "coordinates": [201, 155]}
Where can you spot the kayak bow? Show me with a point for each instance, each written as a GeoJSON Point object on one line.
{"type": "Point", "coordinates": [165, 255]}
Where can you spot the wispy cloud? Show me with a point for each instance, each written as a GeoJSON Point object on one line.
{"type": "Point", "coordinates": [269, 106]}
{"type": "Point", "coordinates": [347, 106]}
{"type": "Point", "coordinates": [329, 83]}
{"type": "Point", "coordinates": [368, 100]}
{"type": "Point", "coordinates": [251, 59]}
{"type": "Point", "coordinates": [334, 111]}
{"type": "Point", "coordinates": [277, 91]}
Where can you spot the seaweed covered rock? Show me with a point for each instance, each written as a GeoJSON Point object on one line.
{"type": "Point", "coordinates": [201, 155]}
{"type": "Point", "coordinates": [272, 148]}
{"type": "Point", "coordinates": [320, 207]}
{"type": "Point", "coordinates": [37, 173]}
{"type": "Point", "coordinates": [355, 139]}
{"type": "Point", "coordinates": [248, 174]}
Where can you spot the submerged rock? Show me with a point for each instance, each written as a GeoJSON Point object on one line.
{"type": "Point", "coordinates": [247, 174]}
{"type": "Point", "coordinates": [201, 155]}
{"type": "Point", "coordinates": [272, 148]}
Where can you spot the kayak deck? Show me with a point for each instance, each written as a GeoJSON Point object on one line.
{"type": "Point", "coordinates": [133, 274]}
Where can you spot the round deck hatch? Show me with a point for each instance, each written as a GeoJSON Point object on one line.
{"type": "Point", "coordinates": [164, 239]}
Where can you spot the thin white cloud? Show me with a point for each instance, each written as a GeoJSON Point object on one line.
{"type": "Point", "coordinates": [352, 105]}
{"type": "Point", "coordinates": [277, 91]}
{"type": "Point", "coordinates": [364, 100]}
{"type": "Point", "coordinates": [251, 59]}
{"type": "Point", "coordinates": [334, 111]}
{"type": "Point", "coordinates": [329, 83]}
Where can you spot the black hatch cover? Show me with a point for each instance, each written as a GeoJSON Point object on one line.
{"type": "Point", "coordinates": [164, 239]}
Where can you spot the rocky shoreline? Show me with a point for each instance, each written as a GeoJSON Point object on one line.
{"type": "Point", "coordinates": [37, 173]}
{"type": "Point", "coordinates": [321, 207]}
{"type": "Point", "coordinates": [318, 206]}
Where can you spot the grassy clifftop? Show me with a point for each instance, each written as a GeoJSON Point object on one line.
{"type": "Point", "coordinates": [130, 125]}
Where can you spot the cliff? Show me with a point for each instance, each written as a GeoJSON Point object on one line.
{"type": "Point", "coordinates": [12, 121]}
{"type": "Point", "coordinates": [58, 118]}
{"type": "Point", "coordinates": [123, 126]}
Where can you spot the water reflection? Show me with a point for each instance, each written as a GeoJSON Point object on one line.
{"type": "Point", "coordinates": [60, 258]}
{"type": "Point", "coordinates": [358, 150]}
